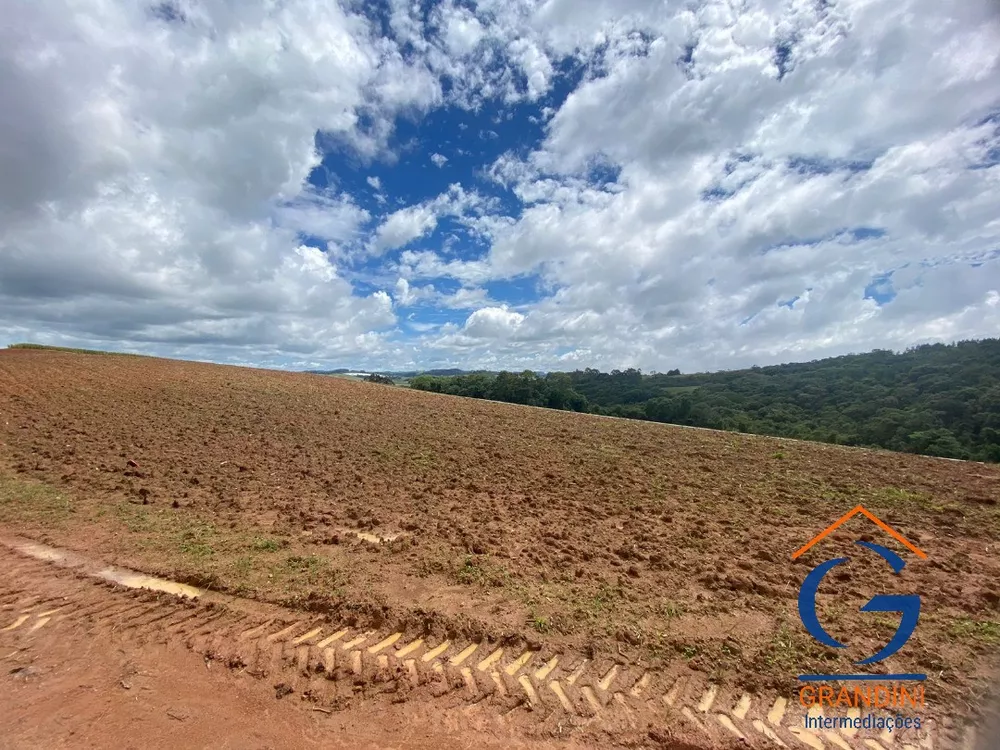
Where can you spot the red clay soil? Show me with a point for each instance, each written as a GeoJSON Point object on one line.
{"type": "Point", "coordinates": [637, 542]}
{"type": "Point", "coordinates": [99, 681]}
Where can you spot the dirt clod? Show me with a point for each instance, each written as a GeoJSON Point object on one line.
{"type": "Point", "coordinates": [281, 690]}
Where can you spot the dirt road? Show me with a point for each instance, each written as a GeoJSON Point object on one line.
{"type": "Point", "coordinates": [90, 663]}
{"type": "Point", "coordinates": [89, 666]}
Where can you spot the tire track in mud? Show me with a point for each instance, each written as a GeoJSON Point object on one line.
{"type": "Point", "coordinates": [328, 665]}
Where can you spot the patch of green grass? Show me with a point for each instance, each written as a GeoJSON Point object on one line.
{"type": "Point", "coordinates": [603, 600]}
{"type": "Point", "coordinates": [424, 458]}
{"type": "Point", "coordinates": [243, 565]}
{"type": "Point", "coordinates": [787, 651]}
{"type": "Point", "coordinates": [594, 608]}
{"type": "Point", "coordinates": [195, 541]}
{"type": "Point", "coordinates": [670, 610]}
{"type": "Point", "coordinates": [778, 454]}
{"type": "Point", "coordinates": [306, 571]}
{"type": "Point", "coordinates": [479, 569]}
{"type": "Point", "coordinates": [539, 623]}
{"type": "Point", "coordinates": [606, 595]}
{"type": "Point", "coordinates": [896, 497]}
{"type": "Point", "coordinates": [135, 517]}
{"type": "Point", "coordinates": [885, 623]}
{"type": "Point", "coordinates": [263, 544]}
{"type": "Point", "coordinates": [947, 508]}
{"type": "Point", "coordinates": [390, 454]}
{"type": "Point", "coordinates": [196, 549]}
{"type": "Point", "coordinates": [71, 350]}
{"type": "Point", "coordinates": [987, 631]}
{"type": "Point", "coordinates": [304, 563]}
{"type": "Point", "coordinates": [162, 541]}
{"type": "Point", "coordinates": [848, 492]}
{"type": "Point", "coordinates": [470, 572]}
{"type": "Point", "coordinates": [689, 652]}
{"type": "Point", "coordinates": [28, 501]}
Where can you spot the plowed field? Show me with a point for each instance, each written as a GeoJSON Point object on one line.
{"type": "Point", "coordinates": [650, 565]}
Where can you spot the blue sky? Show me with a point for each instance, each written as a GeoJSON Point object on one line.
{"type": "Point", "coordinates": [545, 184]}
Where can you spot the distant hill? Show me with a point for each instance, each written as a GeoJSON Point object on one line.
{"type": "Point", "coordinates": [397, 373]}
{"type": "Point", "coordinates": [941, 400]}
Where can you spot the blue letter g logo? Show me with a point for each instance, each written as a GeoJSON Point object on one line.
{"type": "Point", "coordinates": [908, 605]}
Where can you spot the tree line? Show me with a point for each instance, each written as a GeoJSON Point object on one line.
{"type": "Point", "coordinates": [935, 399]}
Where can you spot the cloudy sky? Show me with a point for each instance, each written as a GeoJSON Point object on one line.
{"type": "Point", "coordinates": [510, 183]}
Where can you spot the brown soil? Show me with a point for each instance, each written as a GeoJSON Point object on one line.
{"type": "Point", "coordinates": [104, 672]}
{"type": "Point", "coordinates": [657, 548]}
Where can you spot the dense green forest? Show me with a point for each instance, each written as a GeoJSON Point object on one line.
{"type": "Point", "coordinates": [941, 400]}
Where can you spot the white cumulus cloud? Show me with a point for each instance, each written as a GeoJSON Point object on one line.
{"type": "Point", "coordinates": [705, 185]}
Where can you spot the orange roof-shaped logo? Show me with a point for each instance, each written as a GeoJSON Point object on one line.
{"type": "Point", "coordinates": [846, 517]}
